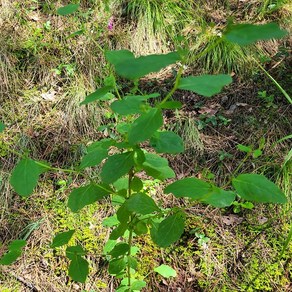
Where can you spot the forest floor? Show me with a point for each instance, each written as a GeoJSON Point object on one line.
{"type": "Point", "coordinates": [44, 74]}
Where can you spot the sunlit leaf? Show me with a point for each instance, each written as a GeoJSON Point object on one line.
{"type": "Point", "coordinates": [246, 34]}
{"type": "Point", "coordinates": [169, 230]}
{"type": "Point", "coordinates": [116, 166]}
{"type": "Point", "coordinates": [14, 252]}
{"type": "Point", "coordinates": [68, 9]}
{"type": "Point", "coordinates": [97, 95]}
{"type": "Point", "coordinates": [141, 204]}
{"type": "Point", "coordinates": [86, 195]}
{"type": "Point", "coordinates": [167, 142]}
{"type": "Point", "coordinates": [157, 167]}
{"type": "Point", "coordinates": [145, 126]}
{"type": "Point", "coordinates": [206, 85]}
{"type": "Point", "coordinates": [165, 271]}
{"type": "Point", "coordinates": [256, 187]}
{"type": "Point", "coordinates": [62, 238]}
{"type": "Point", "coordinates": [25, 176]}
{"type": "Point", "coordinates": [189, 187]}
{"type": "Point", "coordinates": [133, 68]}
{"type": "Point", "coordinates": [219, 198]}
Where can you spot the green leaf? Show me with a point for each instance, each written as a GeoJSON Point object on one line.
{"type": "Point", "coordinates": [62, 238]}
{"type": "Point", "coordinates": [2, 127]}
{"type": "Point", "coordinates": [119, 231]}
{"type": "Point", "coordinates": [116, 166]}
{"type": "Point", "coordinates": [244, 148]}
{"type": "Point", "coordinates": [86, 195]}
{"type": "Point", "coordinates": [14, 252]}
{"type": "Point", "coordinates": [133, 262]}
{"type": "Point", "coordinates": [206, 85]}
{"type": "Point", "coordinates": [246, 34]}
{"type": "Point", "coordinates": [115, 57]}
{"type": "Point", "coordinates": [73, 251]}
{"type": "Point", "coordinates": [257, 153]}
{"type": "Point", "coordinates": [25, 176]}
{"type": "Point", "coordinates": [110, 221]}
{"type": "Point", "coordinates": [165, 271]}
{"type": "Point", "coordinates": [133, 68]}
{"type": "Point", "coordinates": [190, 187]}
{"type": "Point", "coordinates": [167, 142]}
{"type": "Point", "coordinates": [109, 245]}
{"type": "Point", "coordinates": [157, 167]}
{"type": "Point", "coordinates": [145, 126]}
{"type": "Point", "coordinates": [17, 244]}
{"type": "Point", "coordinates": [138, 285]}
{"type": "Point", "coordinates": [120, 249]}
{"type": "Point", "coordinates": [68, 9]}
{"type": "Point", "coordinates": [97, 95]}
{"type": "Point", "coordinates": [116, 266]}
{"type": "Point", "coordinates": [141, 204]}
{"type": "Point", "coordinates": [140, 228]}
{"type": "Point", "coordinates": [78, 269]}
{"type": "Point", "coordinates": [96, 152]}
{"type": "Point", "coordinates": [170, 105]}
{"type": "Point", "coordinates": [169, 230]}
{"type": "Point", "coordinates": [256, 187]}
{"type": "Point", "coordinates": [10, 257]}
{"type": "Point", "coordinates": [136, 184]}
{"type": "Point", "coordinates": [123, 214]}
{"type": "Point", "coordinates": [219, 198]}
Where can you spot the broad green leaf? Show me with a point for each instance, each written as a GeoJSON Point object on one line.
{"type": "Point", "coordinates": [169, 230]}
{"type": "Point", "coordinates": [62, 238]}
{"type": "Point", "coordinates": [145, 126]}
{"type": "Point", "coordinates": [136, 184]}
{"type": "Point", "coordinates": [133, 104]}
{"type": "Point", "coordinates": [123, 214]}
{"type": "Point", "coordinates": [257, 153]}
{"type": "Point", "coordinates": [133, 262]}
{"type": "Point", "coordinates": [96, 152]}
{"type": "Point", "coordinates": [86, 195]}
{"type": "Point", "coordinates": [2, 127]}
{"type": "Point", "coordinates": [116, 166]}
{"type": "Point", "coordinates": [17, 244]}
{"type": "Point", "coordinates": [109, 245]}
{"type": "Point", "coordinates": [244, 148]}
{"type": "Point", "coordinates": [74, 251]}
{"type": "Point", "coordinates": [120, 249]}
{"type": "Point", "coordinates": [157, 167]}
{"type": "Point", "coordinates": [10, 257]}
{"type": "Point", "coordinates": [189, 187]}
{"type": "Point", "coordinates": [119, 231]}
{"type": "Point", "coordinates": [206, 85]}
{"type": "Point", "coordinates": [133, 68]}
{"type": "Point", "coordinates": [165, 271]}
{"type": "Point", "coordinates": [25, 176]}
{"type": "Point", "coordinates": [141, 204]}
{"type": "Point", "coordinates": [97, 95]}
{"type": "Point", "coordinates": [140, 228]}
{"type": "Point", "coordinates": [14, 252]}
{"type": "Point", "coordinates": [170, 105]}
{"type": "Point", "coordinates": [246, 34]}
{"type": "Point", "coordinates": [256, 187]}
{"type": "Point", "coordinates": [219, 198]}
{"type": "Point", "coordinates": [167, 142]}
{"type": "Point", "coordinates": [110, 221]}
{"type": "Point", "coordinates": [68, 9]}
{"type": "Point", "coordinates": [115, 57]}
{"type": "Point", "coordinates": [138, 285]}
{"type": "Point", "coordinates": [78, 269]}
{"type": "Point", "coordinates": [116, 266]}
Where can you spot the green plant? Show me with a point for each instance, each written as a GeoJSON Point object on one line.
{"type": "Point", "coordinates": [124, 157]}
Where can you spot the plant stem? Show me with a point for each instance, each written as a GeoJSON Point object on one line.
{"type": "Point", "coordinates": [275, 82]}
{"type": "Point", "coordinates": [129, 254]}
